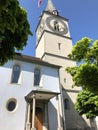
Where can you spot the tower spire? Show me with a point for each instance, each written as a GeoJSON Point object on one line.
{"type": "Point", "coordinates": [50, 7]}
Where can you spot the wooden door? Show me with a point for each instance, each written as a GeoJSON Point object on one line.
{"type": "Point", "coordinates": [39, 119]}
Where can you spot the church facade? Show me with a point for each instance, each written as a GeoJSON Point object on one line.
{"type": "Point", "coordinates": [30, 95]}
{"type": "Point", "coordinates": [36, 93]}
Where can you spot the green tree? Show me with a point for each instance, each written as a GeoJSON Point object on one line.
{"type": "Point", "coordinates": [85, 52]}
{"type": "Point", "coordinates": [14, 29]}
{"type": "Point", "coordinates": [87, 103]}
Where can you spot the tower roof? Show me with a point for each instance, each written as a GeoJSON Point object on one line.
{"type": "Point", "coordinates": [50, 7]}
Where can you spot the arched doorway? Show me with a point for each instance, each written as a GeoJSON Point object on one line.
{"type": "Point", "coordinates": [39, 119]}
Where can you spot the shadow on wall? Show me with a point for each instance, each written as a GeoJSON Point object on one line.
{"type": "Point", "coordinates": [53, 117]}
{"type": "Point", "coordinates": [72, 118]}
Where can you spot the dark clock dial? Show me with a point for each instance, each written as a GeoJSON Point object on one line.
{"type": "Point", "coordinates": [56, 25]}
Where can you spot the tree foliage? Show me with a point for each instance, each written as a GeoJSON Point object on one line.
{"type": "Point", "coordinates": [86, 74]}
{"type": "Point", "coordinates": [14, 29]}
{"type": "Point", "coordinates": [87, 103]}
{"type": "Point", "coordinates": [85, 52]}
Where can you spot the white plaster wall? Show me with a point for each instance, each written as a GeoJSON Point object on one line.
{"type": "Point", "coordinates": [55, 109]}
{"type": "Point", "coordinates": [52, 47]}
{"type": "Point", "coordinates": [50, 79]}
{"type": "Point", "coordinates": [40, 48]}
{"type": "Point", "coordinates": [52, 114]}
{"type": "Point", "coordinates": [16, 120]}
{"type": "Point", "coordinates": [13, 120]}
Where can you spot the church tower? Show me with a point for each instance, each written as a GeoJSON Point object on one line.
{"type": "Point", "coordinates": [53, 36]}
{"type": "Point", "coordinates": [53, 45]}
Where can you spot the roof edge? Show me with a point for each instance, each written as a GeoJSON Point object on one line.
{"type": "Point", "coordinates": [26, 58]}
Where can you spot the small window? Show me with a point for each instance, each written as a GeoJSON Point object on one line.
{"type": "Point", "coordinates": [15, 74]}
{"type": "Point", "coordinates": [66, 103]}
{"type": "Point", "coordinates": [59, 46]}
{"type": "Point", "coordinates": [11, 105]}
{"type": "Point", "coordinates": [36, 77]}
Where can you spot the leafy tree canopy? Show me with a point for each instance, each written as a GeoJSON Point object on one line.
{"type": "Point", "coordinates": [14, 29]}
{"type": "Point", "coordinates": [87, 103]}
{"type": "Point", "coordinates": [85, 52]}
{"type": "Point", "coordinates": [86, 74]}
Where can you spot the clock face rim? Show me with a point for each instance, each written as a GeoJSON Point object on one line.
{"type": "Point", "coordinates": [48, 22]}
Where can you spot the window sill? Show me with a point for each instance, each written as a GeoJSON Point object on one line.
{"type": "Point", "coordinates": [37, 86]}
{"type": "Point", "coordinates": [15, 84]}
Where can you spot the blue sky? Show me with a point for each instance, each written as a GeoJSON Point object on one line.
{"type": "Point", "coordinates": [82, 15]}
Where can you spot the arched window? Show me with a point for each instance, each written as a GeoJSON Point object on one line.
{"type": "Point", "coordinates": [15, 74]}
{"type": "Point", "coordinates": [36, 77]}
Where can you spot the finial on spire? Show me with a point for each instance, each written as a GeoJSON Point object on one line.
{"type": "Point", "coordinates": [50, 7]}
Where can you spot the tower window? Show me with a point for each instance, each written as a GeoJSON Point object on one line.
{"type": "Point", "coordinates": [66, 103]}
{"type": "Point", "coordinates": [15, 74]}
{"type": "Point", "coordinates": [36, 77]}
{"type": "Point", "coordinates": [59, 46]}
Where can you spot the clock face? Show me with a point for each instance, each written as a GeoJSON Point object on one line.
{"type": "Point", "coordinates": [57, 25]}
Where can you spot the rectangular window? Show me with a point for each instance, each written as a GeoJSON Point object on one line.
{"type": "Point", "coordinates": [66, 103]}
{"type": "Point", "coordinates": [36, 77]}
{"type": "Point", "coordinates": [59, 46]}
{"type": "Point", "coordinates": [15, 74]}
